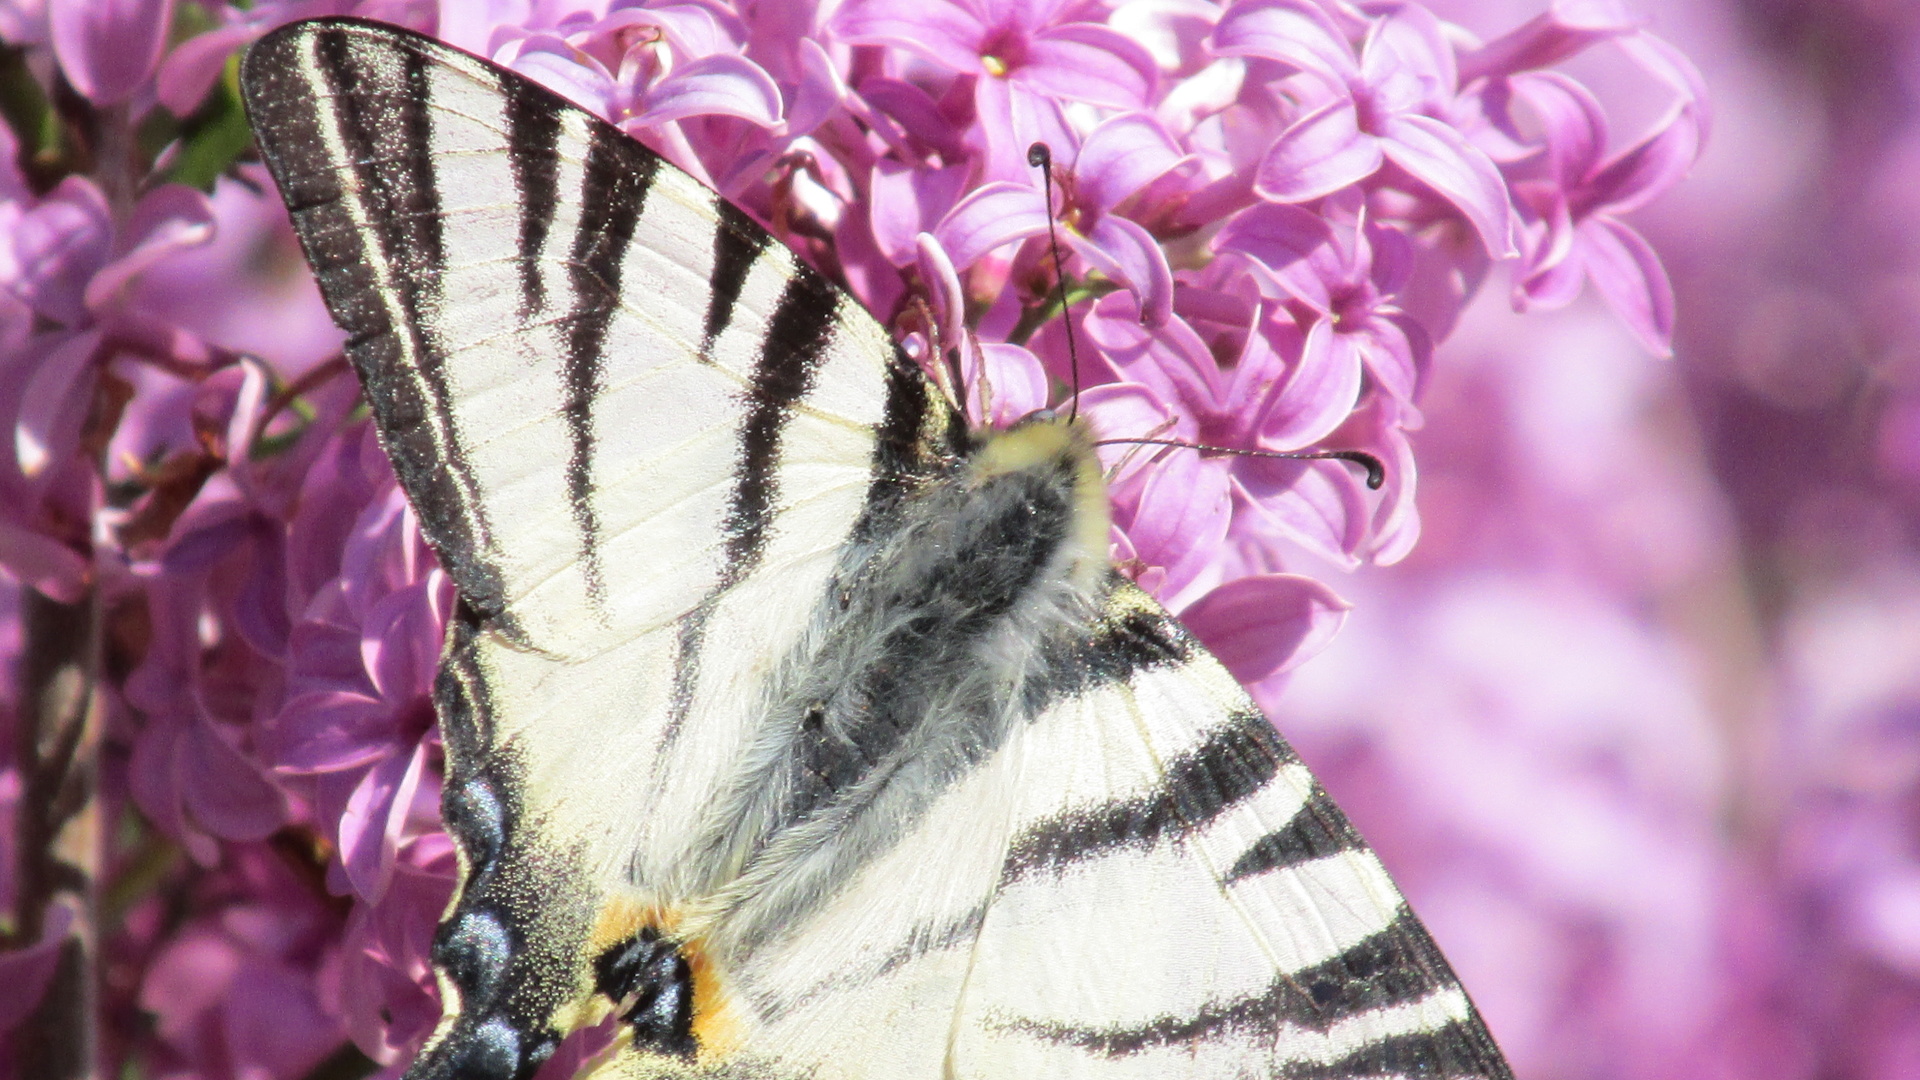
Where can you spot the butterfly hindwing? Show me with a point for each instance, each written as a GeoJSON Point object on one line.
{"type": "Point", "coordinates": [791, 722]}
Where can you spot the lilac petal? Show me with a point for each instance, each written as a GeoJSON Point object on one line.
{"type": "Point", "coordinates": [1444, 160]}
{"type": "Point", "coordinates": [1297, 33]}
{"type": "Point", "coordinates": [1183, 517]}
{"type": "Point", "coordinates": [25, 972]}
{"type": "Point", "coordinates": [370, 825]}
{"type": "Point", "coordinates": [908, 200]}
{"type": "Point", "coordinates": [943, 286]}
{"type": "Point", "coordinates": [557, 65]}
{"type": "Point", "coordinates": [915, 111]}
{"type": "Point", "coordinates": [1322, 152]}
{"type": "Point", "coordinates": [720, 85]}
{"type": "Point", "coordinates": [692, 31]}
{"type": "Point", "coordinates": [994, 215]}
{"type": "Point", "coordinates": [1127, 253]}
{"type": "Point", "coordinates": [168, 220]}
{"type": "Point", "coordinates": [224, 791]}
{"type": "Point", "coordinates": [1409, 41]}
{"type": "Point", "coordinates": [1012, 382]}
{"type": "Point", "coordinates": [820, 92]}
{"type": "Point", "coordinates": [1123, 410]}
{"type": "Point", "coordinates": [1388, 355]}
{"type": "Point", "coordinates": [1644, 170]}
{"type": "Point", "coordinates": [1677, 70]}
{"type": "Point", "coordinates": [1548, 39]}
{"type": "Point", "coordinates": [1319, 395]}
{"type": "Point", "coordinates": [330, 730]}
{"type": "Point", "coordinates": [44, 563]}
{"type": "Point", "coordinates": [1262, 625]}
{"type": "Point", "coordinates": [1121, 156]}
{"type": "Point", "coordinates": [1316, 504]}
{"type": "Point", "coordinates": [1571, 121]}
{"type": "Point", "coordinates": [1083, 62]}
{"type": "Point", "coordinates": [1282, 238]}
{"type": "Point", "coordinates": [402, 639]}
{"type": "Point", "coordinates": [1010, 117]}
{"type": "Point", "coordinates": [272, 1023]}
{"type": "Point", "coordinates": [1171, 358]}
{"type": "Point", "coordinates": [1556, 284]}
{"type": "Point", "coordinates": [1627, 272]}
{"type": "Point", "coordinates": [193, 66]}
{"type": "Point", "coordinates": [936, 29]}
{"type": "Point", "coordinates": [107, 48]}
{"type": "Point", "coordinates": [53, 406]}
{"type": "Point", "coordinates": [56, 247]}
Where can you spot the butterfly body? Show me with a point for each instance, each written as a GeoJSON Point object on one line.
{"type": "Point", "coordinates": [788, 720]}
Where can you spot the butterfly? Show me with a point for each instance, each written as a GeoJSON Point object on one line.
{"type": "Point", "coordinates": [792, 723]}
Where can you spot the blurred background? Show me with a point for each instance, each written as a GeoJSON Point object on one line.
{"type": "Point", "coordinates": [1637, 724]}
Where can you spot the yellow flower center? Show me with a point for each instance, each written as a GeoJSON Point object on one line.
{"type": "Point", "coordinates": [994, 65]}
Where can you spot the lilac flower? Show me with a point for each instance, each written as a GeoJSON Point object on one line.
{"type": "Point", "coordinates": [1574, 231]}
{"type": "Point", "coordinates": [1024, 59]}
{"type": "Point", "coordinates": [108, 48]}
{"type": "Point", "coordinates": [1118, 160]}
{"type": "Point", "coordinates": [1371, 110]}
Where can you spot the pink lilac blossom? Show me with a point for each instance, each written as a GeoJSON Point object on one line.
{"type": "Point", "coordinates": [1272, 213]}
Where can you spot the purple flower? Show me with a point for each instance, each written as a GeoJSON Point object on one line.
{"type": "Point", "coordinates": [1572, 208]}
{"type": "Point", "coordinates": [108, 48]}
{"type": "Point", "coordinates": [1120, 159]}
{"type": "Point", "coordinates": [1368, 111]}
{"type": "Point", "coordinates": [1345, 274]}
{"type": "Point", "coordinates": [1024, 59]}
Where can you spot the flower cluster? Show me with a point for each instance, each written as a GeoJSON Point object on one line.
{"type": "Point", "coordinates": [1270, 211]}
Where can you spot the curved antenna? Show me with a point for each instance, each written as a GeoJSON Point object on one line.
{"type": "Point", "coordinates": [1376, 470]}
{"type": "Point", "coordinates": [1041, 158]}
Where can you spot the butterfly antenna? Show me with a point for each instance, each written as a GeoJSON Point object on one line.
{"type": "Point", "coordinates": [1041, 158]}
{"type": "Point", "coordinates": [1376, 471]}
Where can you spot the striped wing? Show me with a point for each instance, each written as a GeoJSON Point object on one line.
{"type": "Point", "coordinates": [786, 719]}
{"type": "Point", "coordinates": [1145, 882]}
{"type": "Point", "coordinates": [1206, 910]}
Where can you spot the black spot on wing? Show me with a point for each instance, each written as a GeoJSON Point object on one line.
{"type": "Point", "coordinates": [1232, 762]}
{"type": "Point", "coordinates": [617, 174]}
{"type": "Point", "coordinates": [653, 983]}
{"type": "Point", "coordinates": [1317, 830]}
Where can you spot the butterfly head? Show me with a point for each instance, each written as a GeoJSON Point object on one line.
{"type": "Point", "coordinates": [1060, 451]}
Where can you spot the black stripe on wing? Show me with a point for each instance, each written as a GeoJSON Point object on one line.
{"type": "Point", "coordinates": [1317, 830]}
{"type": "Point", "coordinates": [533, 128]}
{"type": "Point", "coordinates": [618, 173]}
{"type": "Point", "coordinates": [791, 354]}
{"type": "Point", "coordinates": [1232, 762]}
{"type": "Point", "coordinates": [1460, 1048]}
{"type": "Point", "coordinates": [1398, 966]}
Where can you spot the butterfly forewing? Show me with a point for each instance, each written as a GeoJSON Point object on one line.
{"type": "Point", "coordinates": [784, 716]}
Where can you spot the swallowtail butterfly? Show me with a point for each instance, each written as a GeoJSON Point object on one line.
{"type": "Point", "coordinates": [787, 719]}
